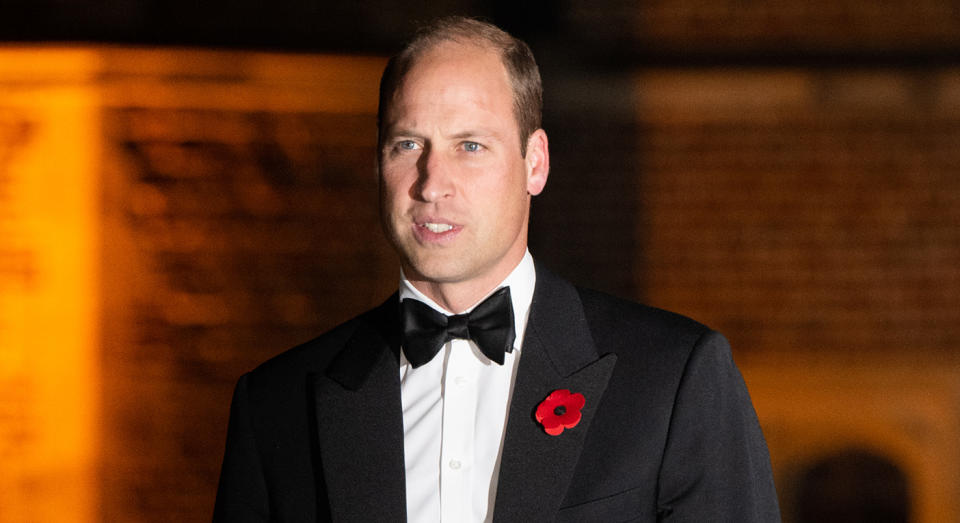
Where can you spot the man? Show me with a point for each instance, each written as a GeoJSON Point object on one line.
{"type": "Point", "coordinates": [489, 389]}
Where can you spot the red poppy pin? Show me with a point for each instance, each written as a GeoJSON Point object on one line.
{"type": "Point", "coordinates": [561, 410]}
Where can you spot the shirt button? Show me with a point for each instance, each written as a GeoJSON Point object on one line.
{"type": "Point", "coordinates": [454, 464]}
{"type": "Point", "coordinates": [459, 380]}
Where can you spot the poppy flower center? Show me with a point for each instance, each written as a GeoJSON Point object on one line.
{"type": "Point", "coordinates": [560, 410]}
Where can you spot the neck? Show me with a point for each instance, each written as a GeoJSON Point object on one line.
{"type": "Point", "coordinates": [454, 297]}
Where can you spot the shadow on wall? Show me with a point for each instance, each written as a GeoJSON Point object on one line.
{"type": "Point", "coordinates": [853, 486]}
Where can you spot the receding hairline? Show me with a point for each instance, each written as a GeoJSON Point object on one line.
{"type": "Point", "coordinates": [425, 50]}
{"type": "Point", "coordinates": [441, 46]}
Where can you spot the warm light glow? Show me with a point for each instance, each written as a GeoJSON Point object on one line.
{"type": "Point", "coordinates": [93, 409]}
{"type": "Point", "coordinates": [48, 289]}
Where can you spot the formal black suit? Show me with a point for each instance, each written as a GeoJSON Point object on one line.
{"type": "Point", "coordinates": [668, 430]}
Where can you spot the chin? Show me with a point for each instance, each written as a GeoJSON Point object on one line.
{"type": "Point", "coordinates": [434, 273]}
{"type": "Point", "coordinates": [439, 269]}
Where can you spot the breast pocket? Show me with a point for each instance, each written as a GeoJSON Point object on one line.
{"type": "Point", "coordinates": [622, 507]}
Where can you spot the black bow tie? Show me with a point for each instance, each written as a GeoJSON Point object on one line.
{"type": "Point", "coordinates": [489, 325]}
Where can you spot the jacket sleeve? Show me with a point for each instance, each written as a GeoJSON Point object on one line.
{"type": "Point", "coordinates": [242, 492]}
{"type": "Point", "coordinates": [716, 466]}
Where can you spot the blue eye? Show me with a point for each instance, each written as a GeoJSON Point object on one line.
{"type": "Point", "coordinates": [407, 145]}
{"type": "Point", "coordinates": [471, 147]}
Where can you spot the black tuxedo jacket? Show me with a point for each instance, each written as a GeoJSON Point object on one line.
{"type": "Point", "coordinates": [668, 431]}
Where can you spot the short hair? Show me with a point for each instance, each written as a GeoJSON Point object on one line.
{"type": "Point", "coordinates": [515, 54]}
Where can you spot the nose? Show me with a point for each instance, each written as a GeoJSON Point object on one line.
{"type": "Point", "coordinates": [435, 180]}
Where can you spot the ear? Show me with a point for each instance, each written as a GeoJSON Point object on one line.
{"type": "Point", "coordinates": [537, 162]}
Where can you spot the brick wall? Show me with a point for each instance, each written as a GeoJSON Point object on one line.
{"type": "Point", "coordinates": [802, 210]}
{"type": "Point", "coordinates": [811, 215]}
{"type": "Point", "coordinates": [239, 201]}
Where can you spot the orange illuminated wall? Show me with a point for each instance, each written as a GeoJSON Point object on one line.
{"type": "Point", "coordinates": [49, 274]}
{"type": "Point", "coordinates": [168, 220]}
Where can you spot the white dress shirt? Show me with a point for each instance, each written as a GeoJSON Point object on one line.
{"type": "Point", "coordinates": [455, 410]}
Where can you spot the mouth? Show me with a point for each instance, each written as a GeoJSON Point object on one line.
{"type": "Point", "coordinates": [435, 230]}
{"type": "Point", "coordinates": [437, 227]}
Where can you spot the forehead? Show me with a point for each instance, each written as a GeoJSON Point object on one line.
{"type": "Point", "coordinates": [454, 72]}
{"type": "Point", "coordinates": [453, 53]}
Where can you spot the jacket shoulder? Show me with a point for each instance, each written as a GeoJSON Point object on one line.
{"type": "Point", "coordinates": [616, 321]}
{"type": "Point", "coordinates": [315, 355]}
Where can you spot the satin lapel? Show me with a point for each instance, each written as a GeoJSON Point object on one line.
{"type": "Point", "coordinates": [558, 353]}
{"type": "Point", "coordinates": [360, 424]}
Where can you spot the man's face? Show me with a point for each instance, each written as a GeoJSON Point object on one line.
{"type": "Point", "coordinates": [454, 188]}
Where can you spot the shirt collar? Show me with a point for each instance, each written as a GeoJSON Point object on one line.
{"type": "Point", "coordinates": [521, 281]}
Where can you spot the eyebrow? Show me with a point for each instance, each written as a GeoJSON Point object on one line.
{"type": "Point", "coordinates": [394, 133]}
{"type": "Point", "coordinates": [469, 133]}
{"type": "Point", "coordinates": [477, 133]}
